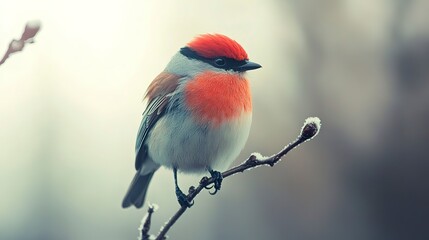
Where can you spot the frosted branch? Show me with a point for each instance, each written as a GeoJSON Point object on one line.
{"type": "Point", "coordinates": [309, 130]}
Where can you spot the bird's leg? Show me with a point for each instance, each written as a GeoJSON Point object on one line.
{"type": "Point", "coordinates": [181, 197]}
{"type": "Point", "coordinates": [217, 180]}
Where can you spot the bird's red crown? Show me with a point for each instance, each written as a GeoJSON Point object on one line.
{"type": "Point", "coordinates": [218, 45]}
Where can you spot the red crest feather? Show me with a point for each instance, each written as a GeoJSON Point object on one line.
{"type": "Point", "coordinates": [218, 45]}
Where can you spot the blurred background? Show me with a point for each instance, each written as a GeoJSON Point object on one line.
{"type": "Point", "coordinates": [70, 106]}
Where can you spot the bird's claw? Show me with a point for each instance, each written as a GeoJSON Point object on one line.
{"type": "Point", "coordinates": [183, 199]}
{"type": "Point", "coordinates": [204, 181]}
{"type": "Point", "coordinates": [214, 192]}
{"type": "Point", "coordinates": [217, 181]}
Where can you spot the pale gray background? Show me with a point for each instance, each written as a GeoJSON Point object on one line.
{"type": "Point", "coordinates": [70, 106]}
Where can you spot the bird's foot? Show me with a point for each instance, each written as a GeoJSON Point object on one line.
{"type": "Point", "coordinates": [183, 199]}
{"type": "Point", "coordinates": [217, 181]}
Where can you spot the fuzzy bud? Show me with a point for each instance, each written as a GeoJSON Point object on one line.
{"type": "Point", "coordinates": [31, 30]}
{"type": "Point", "coordinates": [311, 128]}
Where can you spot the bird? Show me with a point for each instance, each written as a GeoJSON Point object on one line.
{"type": "Point", "coordinates": [198, 115]}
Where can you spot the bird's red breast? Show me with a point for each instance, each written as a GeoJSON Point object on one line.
{"type": "Point", "coordinates": [216, 97]}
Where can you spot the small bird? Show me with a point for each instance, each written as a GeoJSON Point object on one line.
{"type": "Point", "coordinates": [198, 115]}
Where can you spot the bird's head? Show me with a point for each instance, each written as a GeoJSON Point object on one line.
{"type": "Point", "coordinates": [211, 52]}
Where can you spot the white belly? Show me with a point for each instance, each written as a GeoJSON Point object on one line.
{"type": "Point", "coordinates": [177, 141]}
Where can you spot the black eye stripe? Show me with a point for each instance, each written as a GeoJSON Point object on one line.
{"type": "Point", "coordinates": [220, 62]}
{"type": "Point", "coordinates": [228, 63]}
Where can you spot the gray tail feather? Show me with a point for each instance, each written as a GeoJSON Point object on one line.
{"type": "Point", "coordinates": [137, 191]}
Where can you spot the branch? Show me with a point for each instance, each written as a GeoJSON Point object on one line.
{"type": "Point", "coordinates": [30, 31]}
{"type": "Point", "coordinates": [309, 130]}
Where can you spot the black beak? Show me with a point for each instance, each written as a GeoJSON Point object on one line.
{"type": "Point", "coordinates": [247, 66]}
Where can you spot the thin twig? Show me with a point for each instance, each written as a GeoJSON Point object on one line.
{"type": "Point", "coordinates": [145, 226]}
{"type": "Point", "coordinates": [30, 31]}
{"type": "Point", "coordinates": [309, 130]}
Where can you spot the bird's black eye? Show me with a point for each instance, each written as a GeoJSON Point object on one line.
{"type": "Point", "coordinates": [220, 62]}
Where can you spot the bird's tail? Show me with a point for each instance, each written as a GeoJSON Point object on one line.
{"type": "Point", "coordinates": [137, 191]}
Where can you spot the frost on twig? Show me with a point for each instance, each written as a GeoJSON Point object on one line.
{"type": "Point", "coordinates": [145, 225]}
{"type": "Point", "coordinates": [30, 31]}
{"type": "Point", "coordinates": [309, 130]}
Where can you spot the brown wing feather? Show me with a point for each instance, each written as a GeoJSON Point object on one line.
{"type": "Point", "coordinates": [157, 95]}
{"type": "Point", "coordinates": [163, 84]}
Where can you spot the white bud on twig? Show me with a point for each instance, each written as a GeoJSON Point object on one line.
{"type": "Point", "coordinates": [34, 24]}
{"type": "Point", "coordinates": [311, 128]}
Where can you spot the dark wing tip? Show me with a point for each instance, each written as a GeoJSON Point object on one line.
{"type": "Point", "coordinates": [126, 204]}
{"type": "Point", "coordinates": [138, 204]}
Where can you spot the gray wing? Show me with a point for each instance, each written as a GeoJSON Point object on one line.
{"type": "Point", "coordinates": [154, 111]}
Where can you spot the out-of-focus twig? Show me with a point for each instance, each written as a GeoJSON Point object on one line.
{"type": "Point", "coordinates": [30, 31]}
{"type": "Point", "coordinates": [309, 130]}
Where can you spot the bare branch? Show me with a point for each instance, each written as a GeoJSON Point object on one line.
{"type": "Point", "coordinates": [30, 31]}
{"type": "Point", "coordinates": [309, 130]}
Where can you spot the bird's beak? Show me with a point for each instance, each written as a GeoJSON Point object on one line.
{"type": "Point", "coordinates": [247, 66]}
